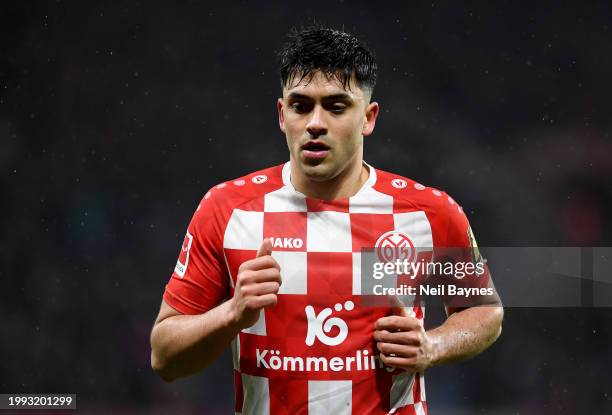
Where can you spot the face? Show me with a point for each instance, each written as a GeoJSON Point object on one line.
{"type": "Point", "coordinates": [324, 125]}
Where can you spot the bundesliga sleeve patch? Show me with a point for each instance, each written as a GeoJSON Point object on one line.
{"type": "Point", "coordinates": [183, 259]}
{"type": "Point", "coordinates": [476, 257]}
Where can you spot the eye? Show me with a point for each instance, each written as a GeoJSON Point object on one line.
{"type": "Point", "coordinates": [336, 107]}
{"type": "Point", "coordinates": [299, 107]}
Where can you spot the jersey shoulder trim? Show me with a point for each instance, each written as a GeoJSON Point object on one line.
{"type": "Point", "coordinates": [242, 190]}
{"type": "Point", "coordinates": [410, 193]}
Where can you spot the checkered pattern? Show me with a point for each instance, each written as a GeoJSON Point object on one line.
{"type": "Point", "coordinates": [318, 246]}
{"type": "Point", "coordinates": [321, 269]}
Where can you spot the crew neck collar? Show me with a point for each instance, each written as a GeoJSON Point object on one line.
{"type": "Point", "coordinates": [286, 174]}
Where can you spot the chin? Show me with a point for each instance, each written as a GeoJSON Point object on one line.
{"type": "Point", "coordinates": [318, 172]}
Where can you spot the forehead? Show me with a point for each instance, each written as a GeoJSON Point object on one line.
{"type": "Point", "coordinates": [320, 85]}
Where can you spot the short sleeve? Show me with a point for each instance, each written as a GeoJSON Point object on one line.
{"type": "Point", "coordinates": [461, 250]}
{"type": "Point", "coordinates": [459, 234]}
{"type": "Point", "coordinates": [200, 281]}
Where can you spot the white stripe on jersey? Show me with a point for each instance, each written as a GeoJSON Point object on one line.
{"type": "Point", "coordinates": [244, 230]}
{"type": "Point", "coordinates": [418, 408]}
{"type": "Point", "coordinates": [371, 201]}
{"type": "Point", "coordinates": [259, 327]}
{"type": "Point", "coordinates": [329, 231]}
{"type": "Point", "coordinates": [422, 378]}
{"type": "Point", "coordinates": [236, 352]}
{"type": "Point", "coordinates": [284, 199]}
{"type": "Point", "coordinates": [256, 395]}
{"type": "Point", "coordinates": [330, 397]}
{"type": "Point", "coordinates": [401, 390]}
{"type": "Point", "coordinates": [356, 273]}
{"type": "Point", "coordinates": [417, 227]}
{"type": "Point", "coordinates": [229, 272]}
{"type": "Point", "coordinates": [293, 271]}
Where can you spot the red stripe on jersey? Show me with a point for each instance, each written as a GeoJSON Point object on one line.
{"type": "Point", "coordinates": [417, 388]}
{"type": "Point", "coordinates": [418, 311]}
{"type": "Point", "coordinates": [285, 323]}
{"type": "Point", "coordinates": [406, 410]}
{"type": "Point", "coordinates": [330, 274]}
{"type": "Point", "coordinates": [366, 229]}
{"type": "Point", "coordinates": [372, 395]}
{"type": "Point", "coordinates": [288, 397]}
{"type": "Point", "coordinates": [235, 258]}
{"type": "Point", "coordinates": [238, 391]}
{"type": "Point", "coordinates": [318, 205]}
{"type": "Point", "coordinates": [254, 205]}
{"type": "Point", "coordinates": [287, 230]}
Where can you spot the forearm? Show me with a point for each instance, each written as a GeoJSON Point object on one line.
{"type": "Point", "coordinates": [182, 345]}
{"type": "Point", "coordinates": [465, 333]}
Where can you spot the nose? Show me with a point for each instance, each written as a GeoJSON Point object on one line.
{"type": "Point", "coordinates": [316, 124]}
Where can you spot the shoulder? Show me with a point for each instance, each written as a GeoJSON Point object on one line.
{"type": "Point", "coordinates": [245, 192]}
{"type": "Point", "coordinates": [446, 217]}
{"type": "Point", "coordinates": [409, 194]}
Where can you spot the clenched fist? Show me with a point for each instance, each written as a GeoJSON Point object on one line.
{"type": "Point", "coordinates": [403, 342]}
{"type": "Point", "coordinates": [257, 284]}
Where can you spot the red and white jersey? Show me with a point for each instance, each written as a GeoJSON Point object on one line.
{"type": "Point", "coordinates": [313, 353]}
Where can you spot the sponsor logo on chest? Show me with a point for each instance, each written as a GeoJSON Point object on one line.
{"type": "Point", "coordinates": [287, 242]}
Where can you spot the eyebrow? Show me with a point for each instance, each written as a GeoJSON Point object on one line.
{"type": "Point", "coordinates": [340, 96]}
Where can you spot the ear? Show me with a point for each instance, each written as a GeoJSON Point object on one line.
{"type": "Point", "coordinates": [281, 116]}
{"type": "Point", "coordinates": [371, 114]}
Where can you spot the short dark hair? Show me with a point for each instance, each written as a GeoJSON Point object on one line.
{"type": "Point", "coordinates": [333, 52]}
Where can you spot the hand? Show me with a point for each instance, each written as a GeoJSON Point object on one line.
{"type": "Point", "coordinates": [257, 284]}
{"type": "Point", "coordinates": [403, 342]}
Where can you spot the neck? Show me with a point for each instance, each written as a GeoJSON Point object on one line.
{"type": "Point", "coordinates": [344, 185]}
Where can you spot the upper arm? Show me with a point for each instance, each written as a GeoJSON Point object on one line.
{"type": "Point", "coordinates": [200, 280]}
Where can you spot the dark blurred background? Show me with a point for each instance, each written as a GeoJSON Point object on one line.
{"type": "Point", "coordinates": [115, 118]}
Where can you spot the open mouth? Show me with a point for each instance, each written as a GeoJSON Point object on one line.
{"type": "Point", "coordinates": [315, 151]}
{"type": "Point", "coordinates": [315, 146]}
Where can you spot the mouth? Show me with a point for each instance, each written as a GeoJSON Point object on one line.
{"type": "Point", "coordinates": [315, 149]}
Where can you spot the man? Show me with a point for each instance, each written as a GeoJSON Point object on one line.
{"type": "Point", "coordinates": [271, 261]}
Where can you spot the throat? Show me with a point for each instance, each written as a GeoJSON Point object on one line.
{"type": "Point", "coordinates": [342, 186]}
